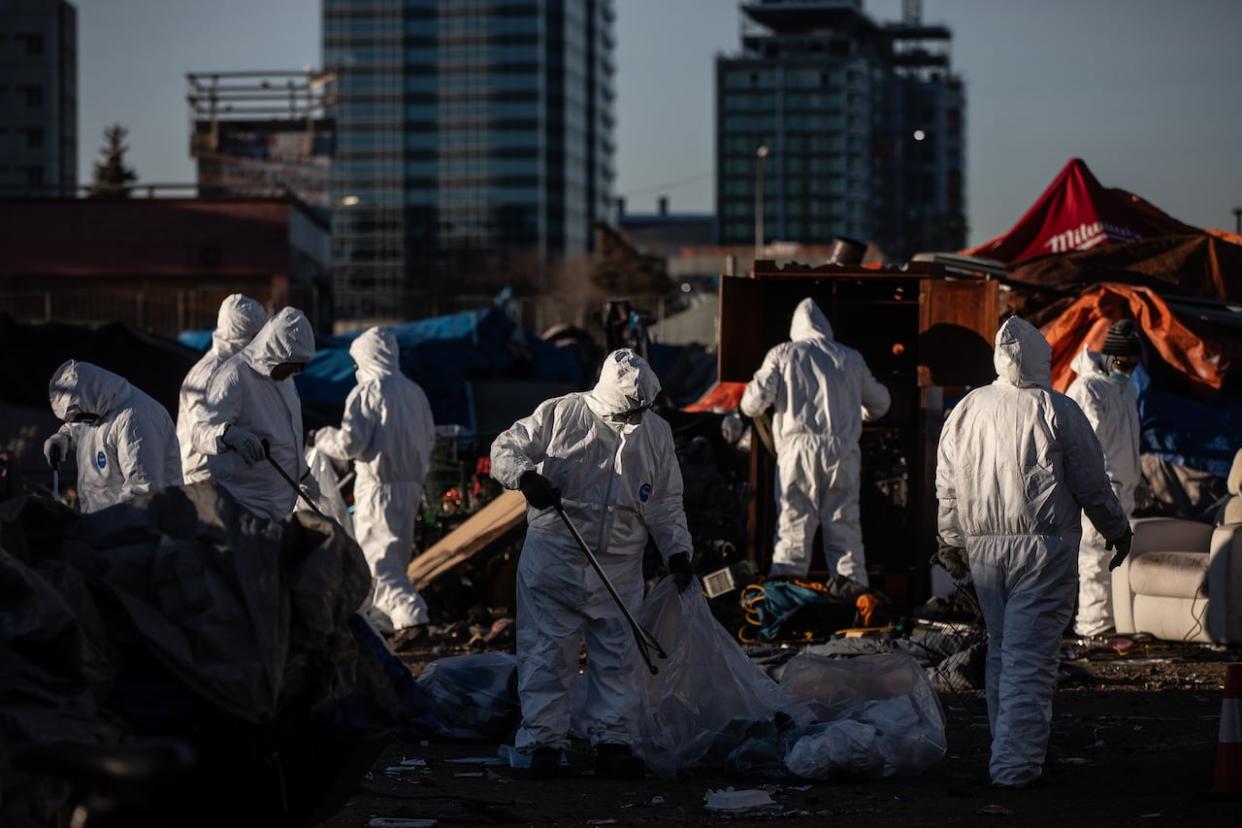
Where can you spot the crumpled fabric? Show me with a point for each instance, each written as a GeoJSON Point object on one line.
{"type": "Point", "coordinates": [821, 392]}
{"type": "Point", "coordinates": [132, 448]}
{"type": "Point", "coordinates": [1018, 463]}
{"type": "Point", "coordinates": [243, 394]}
{"type": "Point", "coordinates": [472, 697]}
{"type": "Point", "coordinates": [1112, 411]}
{"type": "Point", "coordinates": [244, 610]}
{"type": "Point", "coordinates": [620, 484]}
{"type": "Point", "coordinates": [389, 432]}
{"type": "Point", "coordinates": [237, 322]}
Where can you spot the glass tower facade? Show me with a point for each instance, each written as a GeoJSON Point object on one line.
{"type": "Point", "coordinates": [39, 98]}
{"type": "Point", "coordinates": [861, 123]}
{"type": "Point", "coordinates": [474, 146]}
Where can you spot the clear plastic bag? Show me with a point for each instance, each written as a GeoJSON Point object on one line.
{"type": "Point", "coordinates": [879, 717]}
{"type": "Point", "coordinates": [707, 695]}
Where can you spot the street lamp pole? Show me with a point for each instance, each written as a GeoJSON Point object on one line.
{"type": "Point", "coordinates": [760, 154]}
{"type": "Point", "coordinates": [1237, 219]}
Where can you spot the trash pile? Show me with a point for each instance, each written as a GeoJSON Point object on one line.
{"type": "Point", "coordinates": [183, 618]}
{"type": "Point", "coordinates": [710, 705]}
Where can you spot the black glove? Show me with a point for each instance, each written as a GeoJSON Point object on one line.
{"type": "Point", "coordinates": [954, 560]}
{"type": "Point", "coordinates": [539, 491]}
{"type": "Point", "coordinates": [683, 574]}
{"type": "Point", "coordinates": [1122, 545]}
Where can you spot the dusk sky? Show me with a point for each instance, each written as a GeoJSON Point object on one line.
{"type": "Point", "coordinates": [1145, 91]}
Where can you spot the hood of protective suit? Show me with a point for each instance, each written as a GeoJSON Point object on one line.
{"type": "Point", "coordinates": [626, 382]}
{"type": "Point", "coordinates": [1023, 357]}
{"type": "Point", "coordinates": [1090, 363]}
{"type": "Point", "coordinates": [376, 354]}
{"type": "Point", "coordinates": [239, 320]}
{"type": "Point", "coordinates": [82, 387]}
{"type": "Point", "coordinates": [287, 337]}
{"type": "Point", "coordinates": [809, 322]}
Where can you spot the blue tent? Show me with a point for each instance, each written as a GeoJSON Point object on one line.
{"type": "Point", "coordinates": [443, 355]}
{"type": "Point", "coordinates": [1183, 430]}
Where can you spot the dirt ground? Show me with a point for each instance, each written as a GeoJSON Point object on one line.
{"type": "Point", "coordinates": [1133, 742]}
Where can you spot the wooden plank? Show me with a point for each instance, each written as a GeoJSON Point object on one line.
{"type": "Point", "coordinates": [493, 521]}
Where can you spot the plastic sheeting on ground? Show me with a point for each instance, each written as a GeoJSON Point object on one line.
{"type": "Point", "coordinates": [711, 705]}
{"type": "Point", "coordinates": [473, 697]}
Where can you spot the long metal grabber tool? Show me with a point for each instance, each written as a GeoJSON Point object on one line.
{"type": "Point", "coordinates": [645, 640]}
{"type": "Point", "coordinates": [55, 472]}
{"type": "Point", "coordinates": [267, 452]}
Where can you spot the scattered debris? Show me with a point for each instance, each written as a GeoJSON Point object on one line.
{"type": "Point", "coordinates": [486, 761]}
{"type": "Point", "coordinates": [994, 810]}
{"type": "Point", "coordinates": [745, 801]}
{"type": "Point", "coordinates": [401, 822]}
{"type": "Point", "coordinates": [469, 775]}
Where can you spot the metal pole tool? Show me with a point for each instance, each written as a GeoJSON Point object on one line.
{"type": "Point", "coordinates": [645, 640]}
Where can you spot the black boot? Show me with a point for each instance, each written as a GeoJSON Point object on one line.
{"type": "Point", "coordinates": [545, 763]}
{"type": "Point", "coordinates": [618, 762]}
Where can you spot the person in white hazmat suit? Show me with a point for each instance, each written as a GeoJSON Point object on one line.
{"type": "Point", "coordinates": [238, 320]}
{"type": "Point", "coordinates": [252, 398]}
{"type": "Point", "coordinates": [612, 465]}
{"type": "Point", "coordinates": [124, 440]}
{"type": "Point", "coordinates": [1104, 392]}
{"type": "Point", "coordinates": [389, 431]}
{"type": "Point", "coordinates": [1018, 464]}
{"type": "Point", "coordinates": [822, 392]}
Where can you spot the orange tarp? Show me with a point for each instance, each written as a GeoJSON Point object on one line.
{"type": "Point", "coordinates": [1086, 321]}
{"type": "Point", "coordinates": [721, 398]}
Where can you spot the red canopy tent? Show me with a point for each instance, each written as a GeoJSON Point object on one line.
{"type": "Point", "coordinates": [1077, 212]}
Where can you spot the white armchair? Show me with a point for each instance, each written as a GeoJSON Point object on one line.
{"type": "Point", "coordinates": [1183, 580]}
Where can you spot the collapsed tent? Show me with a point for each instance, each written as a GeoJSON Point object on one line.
{"type": "Point", "coordinates": [1199, 265]}
{"type": "Point", "coordinates": [180, 616]}
{"type": "Point", "coordinates": [1077, 212]}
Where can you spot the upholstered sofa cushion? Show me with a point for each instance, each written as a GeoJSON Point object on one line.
{"type": "Point", "coordinates": [1169, 574]}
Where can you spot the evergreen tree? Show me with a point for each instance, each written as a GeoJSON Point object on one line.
{"type": "Point", "coordinates": [112, 177]}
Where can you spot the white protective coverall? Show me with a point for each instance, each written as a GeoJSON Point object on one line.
{"type": "Point", "coordinates": [822, 392]}
{"type": "Point", "coordinates": [242, 393]}
{"type": "Point", "coordinates": [388, 429]}
{"type": "Point", "coordinates": [1112, 410]}
{"type": "Point", "coordinates": [239, 319]}
{"type": "Point", "coordinates": [618, 484]}
{"type": "Point", "coordinates": [131, 449]}
{"type": "Point", "coordinates": [1018, 463]}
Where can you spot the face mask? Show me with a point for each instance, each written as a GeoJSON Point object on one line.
{"type": "Point", "coordinates": [1119, 379]}
{"type": "Point", "coordinates": [287, 369]}
{"type": "Point", "coordinates": [633, 417]}
{"type": "Point", "coordinates": [83, 417]}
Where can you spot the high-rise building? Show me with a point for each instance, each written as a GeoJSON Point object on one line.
{"type": "Point", "coordinates": [474, 146]}
{"type": "Point", "coordinates": [841, 126]}
{"type": "Point", "coordinates": [38, 97]}
{"type": "Point", "coordinates": [262, 134]}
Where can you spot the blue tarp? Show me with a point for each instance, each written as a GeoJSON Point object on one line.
{"type": "Point", "coordinates": [1183, 430]}
{"type": "Point", "coordinates": [443, 355]}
